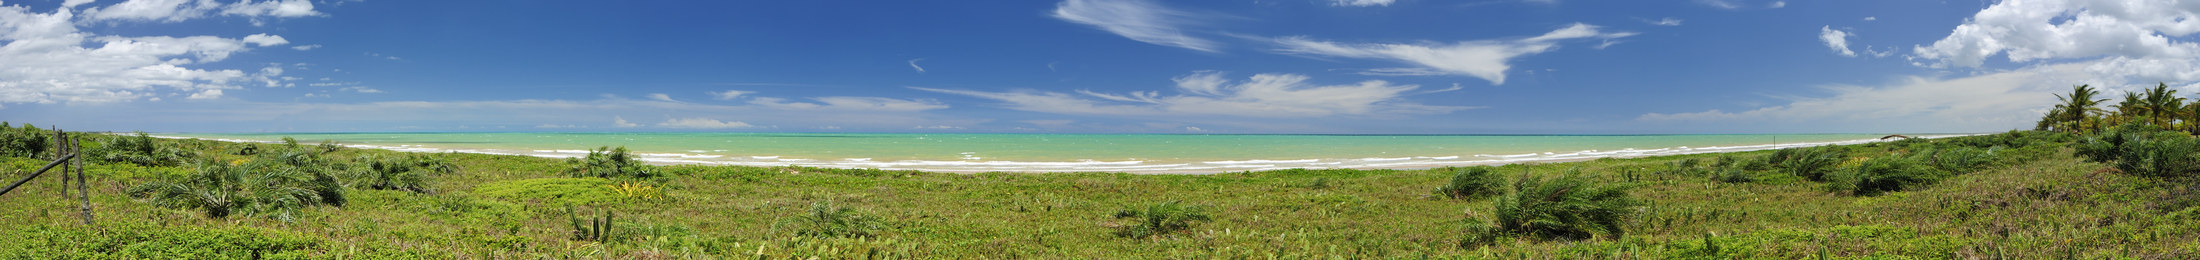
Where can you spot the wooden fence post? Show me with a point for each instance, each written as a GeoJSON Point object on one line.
{"type": "Point", "coordinates": [83, 183]}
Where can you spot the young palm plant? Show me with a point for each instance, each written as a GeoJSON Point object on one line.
{"type": "Point", "coordinates": [1569, 207]}
{"type": "Point", "coordinates": [254, 188]}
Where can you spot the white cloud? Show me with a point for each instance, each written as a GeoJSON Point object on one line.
{"type": "Point", "coordinates": [621, 122]}
{"type": "Point", "coordinates": [938, 127]}
{"type": "Point", "coordinates": [1721, 4]}
{"type": "Point", "coordinates": [276, 8]}
{"type": "Point", "coordinates": [1206, 93]}
{"type": "Point", "coordinates": [1138, 20]}
{"type": "Point", "coordinates": [702, 123]}
{"type": "Point", "coordinates": [361, 89]}
{"type": "Point", "coordinates": [152, 10]}
{"type": "Point", "coordinates": [557, 126]}
{"type": "Point", "coordinates": [728, 94]}
{"type": "Point", "coordinates": [2028, 30]}
{"type": "Point", "coordinates": [305, 47]}
{"type": "Point", "coordinates": [264, 40]}
{"type": "Point", "coordinates": [71, 4]}
{"type": "Point", "coordinates": [850, 103]}
{"type": "Point", "coordinates": [1836, 39]}
{"type": "Point", "coordinates": [1362, 2]}
{"type": "Point", "coordinates": [1871, 18]}
{"type": "Point", "coordinates": [1668, 21]}
{"type": "Point", "coordinates": [1484, 59]}
{"type": "Point", "coordinates": [1991, 102]}
{"type": "Point", "coordinates": [1050, 122]}
{"type": "Point", "coordinates": [913, 65]}
{"type": "Point", "coordinates": [1777, 4]}
{"type": "Point", "coordinates": [180, 10]}
{"type": "Point", "coordinates": [207, 94]}
{"type": "Point", "coordinates": [662, 97]}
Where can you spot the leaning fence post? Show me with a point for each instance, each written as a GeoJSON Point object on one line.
{"type": "Point", "coordinates": [83, 186]}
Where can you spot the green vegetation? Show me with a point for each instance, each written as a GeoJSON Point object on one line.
{"type": "Point", "coordinates": [1472, 182]}
{"type": "Point", "coordinates": [2127, 191]}
{"type": "Point", "coordinates": [1159, 219]}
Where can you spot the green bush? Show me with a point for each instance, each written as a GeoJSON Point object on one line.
{"type": "Point", "coordinates": [2162, 156]}
{"type": "Point", "coordinates": [27, 141]}
{"type": "Point", "coordinates": [1961, 159]}
{"type": "Point", "coordinates": [1810, 163]}
{"type": "Point", "coordinates": [1473, 182]}
{"type": "Point", "coordinates": [607, 162]}
{"type": "Point", "coordinates": [140, 149]}
{"type": "Point", "coordinates": [138, 241]}
{"type": "Point", "coordinates": [1159, 219]}
{"type": "Point", "coordinates": [255, 188]}
{"type": "Point", "coordinates": [823, 219]}
{"type": "Point", "coordinates": [330, 146]}
{"type": "Point", "coordinates": [1883, 174]}
{"type": "Point", "coordinates": [1569, 207]}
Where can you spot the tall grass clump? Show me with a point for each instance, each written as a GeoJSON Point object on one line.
{"type": "Point", "coordinates": [824, 219]}
{"type": "Point", "coordinates": [1884, 174]}
{"type": "Point", "coordinates": [254, 188]}
{"type": "Point", "coordinates": [1159, 219]}
{"type": "Point", "coordinates": [1565, 208]}
{"type": "Point", "coordinates": [2161, 156]}
{"type": "Point", "coordinates": [1473, 182]}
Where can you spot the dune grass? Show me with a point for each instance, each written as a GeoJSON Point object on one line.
{"type": "Point", "coordinates": [2024, 201]}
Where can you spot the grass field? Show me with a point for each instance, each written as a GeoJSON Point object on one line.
{"type": "Point", "coordinates": [2023, 200]}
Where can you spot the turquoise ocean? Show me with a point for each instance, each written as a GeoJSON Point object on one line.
{"type": "Point", "coordinates": [1145, 153]}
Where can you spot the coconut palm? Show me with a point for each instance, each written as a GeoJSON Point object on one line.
{"type": "Point", "coordinates": [2076, 110]}
{"type": "Point", "coordinates": [2160, 105]}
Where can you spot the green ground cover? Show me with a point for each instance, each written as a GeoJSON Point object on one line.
{"type": "Point", "coordinates": [2022, 195]}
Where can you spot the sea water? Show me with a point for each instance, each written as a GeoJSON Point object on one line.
{"type": "Point", "coordinates": [1147, 153]}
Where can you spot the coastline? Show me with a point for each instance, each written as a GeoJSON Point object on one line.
{"type": "Point", "coordinates": [975, 165]}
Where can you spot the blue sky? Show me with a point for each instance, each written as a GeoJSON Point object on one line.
{"type": "Point", "coordinates": [1078, 66]}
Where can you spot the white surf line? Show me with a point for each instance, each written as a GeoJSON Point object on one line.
{"type": "Point", "coordinates": [972, 164]}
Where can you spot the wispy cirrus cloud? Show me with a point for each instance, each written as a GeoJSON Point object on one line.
{"type": "Point", "coordinates": [1362, 2]}
{"type": "Point", "coordinates": [1486, 59]}
{"type": "Point", "coordinates": [1138, 20]}
{"type": "Point", "coordinates": [1208, 93]}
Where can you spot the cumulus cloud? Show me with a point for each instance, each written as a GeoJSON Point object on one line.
{"type": "Point", "coordinates": [305, 47]}
{"type": "Point", "coordinates": [47, 59]}
{"type": "Point", "coordinates": [702, 123]}
{"type": "Point", "coordinates": [264, 40]}
{"type": "Point", "coordinates": [71, 4]}
{"type": "Point", "coordinates": [1836, 39]}
{"type": "Point", "coordinates": [1208, 93]}
{"type": "Point", "coordinates": [1362, 2]}
{"type": "Point", "coordinates": [1777, 4]}
{"type": "Point", "coordinates": [2027, 30]}
{"type": "Point", "coordinates": [1871, 18]}
{"type": "Point", "coordinates": [662, 97]}
{"type": "Point", "coordinates": [1486, 59]}
{"type": "Point", "coordinates": [728, 94]}
{"type": "Point", "coordinates": [1138, 20]}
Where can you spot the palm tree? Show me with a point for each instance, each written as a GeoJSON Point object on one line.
{"type": "Point", "coordinates": [253, 188]}
{"type": "Point", "coordinates": [2161, 105]}
{"type": "Point", "coordinates": [2076, 108]}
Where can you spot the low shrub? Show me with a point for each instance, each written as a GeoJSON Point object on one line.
{"type": "Point", "coordinates": [826, 220]}
{"type": "Point", "coordinates": [2161, 156]}
{"type": "Point", "coordinates": [1472, 182]}
{"type": "Point", "coordinates": [140, 149]}
{"type": "Point", "coordinates": [579, 191]}
{"type": "Point", "coordinates": [1879, 175]}
{"type": "Point", "coordinates": [1159, 219]}
{"type": "Point", "coordinates": [138, 241]}
{"type": "Point", "coordinates": [1569, 207]}
{"type": "Point", "coordinates": [1810, 163]}
{"type": "Point", "coordinates": [1733, 175]}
